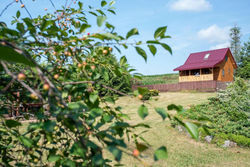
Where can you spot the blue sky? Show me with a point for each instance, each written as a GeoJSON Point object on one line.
{"type": "Point", "coordinates": [194, 25]}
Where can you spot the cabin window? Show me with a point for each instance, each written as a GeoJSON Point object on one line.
{"type": "Point", "coordinates": [206, 71]}
{"type": "Point", "coordinates": [226, 58]}
{"type": "Point", "coordinates": [223, 72]}
{"type": "Point", "coordinates": [206, 56]}
{"type": "Point", "coordinates": [195, 72]}
{"type": "Point", "coordinates": [229, 71]}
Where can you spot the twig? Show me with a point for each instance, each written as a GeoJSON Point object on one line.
{"type": "Point", "coordinates": [9, 84]}
{"type": "Point", "coordinates": [7, 7]}
{"type": "Point", "coordinates": [117, 91]}
{"type": "Point", "coordinates": [75, 83]}
{"type": "Point", "coordinates": [26, 9]}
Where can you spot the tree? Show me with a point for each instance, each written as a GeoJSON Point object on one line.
{"type": "Point", "coordinates": [235, 45]}
{"type": "Point", "coordinates": [243, 70]}
{"type": "Point", "coordinates": [52, 61]}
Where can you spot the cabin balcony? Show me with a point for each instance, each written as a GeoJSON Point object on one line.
{"type": "Point", "coordinates": [206, 77]}
{"type": "Point", "coordinates": [196, 75]}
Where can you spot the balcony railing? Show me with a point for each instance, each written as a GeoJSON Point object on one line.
{"type": "Point", "coordinates": [191, 78]}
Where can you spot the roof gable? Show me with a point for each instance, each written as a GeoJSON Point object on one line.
{"type": "Point", "coordinates": [205, 59]}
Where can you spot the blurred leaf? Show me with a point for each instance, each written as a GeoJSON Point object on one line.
{"type": "Point", "coordinates": [192, 130]}
{"type": "Point", "coordinates": [141, 147]}
{"type": "Point", "coordinates": [162, 112]}
{"type": "Point", "coordinates": [100, 20]}
{"type": "Point", "coordinates": [26, 141]}
{"type": "Point", "coordinates": [123, 60]}
{"type": "Point", "coordinates": [116, 152]}
{"type": "Point", "coordinates": [161, 153]}
{"type": "Point", "coordinates": [12, 123]}
{"type": "Point", "coordinates": [53, 158]}
{"type": "Point", "coordinates": [141, 52]}
{"type": "Point", "coordinates": [103, 3]}
{"type": "Point", "coordinates": [10, 55]}
{"type": "Point", "coordinates": [49, 125]}
{"type": "Point", "coordinates": [178, 108]}
{"type": "Point", "coordinates": [132, 32]}
{"type": "Point", "coordinates": [95, 112]}
{"type": "Point", "coordinates": [18, 14]}
{"type": "Point", "coordinates": [93, 98]}
{"type": "Point", "coordinates": [143, 111]}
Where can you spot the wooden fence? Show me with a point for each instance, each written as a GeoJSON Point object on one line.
{"type": "Point", "coordinates": [203, 86]}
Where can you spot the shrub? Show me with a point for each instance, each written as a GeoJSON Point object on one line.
{"type": "Point", "coordinates": [228, 112]}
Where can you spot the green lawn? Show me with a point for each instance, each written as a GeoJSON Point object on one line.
{"type": "Point", "coordinates": [182, 150]}
{"type": "Point", "coordinates": [159, 79]}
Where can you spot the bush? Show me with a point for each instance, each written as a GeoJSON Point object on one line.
{"type": "Point", "coordinates": [150, 93]}
{"type": "Point", "coordinates": [239, 139]}
{"type": "Point", "coordinates": [228, 112]}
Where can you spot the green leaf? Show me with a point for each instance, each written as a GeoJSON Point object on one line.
{"type": "Point", "coordinates": [26, 141]}
{"type": "Point", "coordinates": [165, 46]}
{"type": "Point", "coordinates": [20, 27]}
{"type": "Point", "coordinates": [53, 158]}
{"type": "Point", "coordinates": [103, 3]}
{"type": "Point", "coordinates": [93, 98]}
{"type": "Point", "coordinates": [141, 52]}
{"type": "Point", "coordinates": [152, 49]}
{"type": "Point", "coordinates": [192, 130]}
{"type": "Point", "coordinates": [110, 36]}
{"type": "Point", "coordinates": [141, 147]}
{"type": "Point", "coordinates": [100, 20]}
{"type": "Point", "coordinates": [178, 108]}
{"type": "Point", "coordinates": [143, 111]}
{"type": "Point", "coordinates": [161, 153]}
{"type": "Point", "coordinates": [111, 3]}
{"type": "Point", "coordinates": [116, 152]}
{"type": "Point", "coordinates": [133, 31]}
{"type": "Point", "coordinates": [153, 42]}
{"type": "Point", "coordinates": [84, 27]}
{"type": "Point", "coordinates": [12, 123]}
{"type": "Point", "coordinates": [10, 55]}
{"type": "Point", "coordinates": [95, 112]}
{"type": "Point", "coordinates": [49, 126]}
{"type": "Point", "coordinates": [162, 112]}
{"type": "Point", "coordinates": [123, 60]}
{"type": "Point", "coordinates": [18, 14]}
{"type": "Point", "coordinates": [160, 32]}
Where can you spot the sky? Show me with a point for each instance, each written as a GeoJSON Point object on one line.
{"type": "Point", "coordinates": [194, 25]}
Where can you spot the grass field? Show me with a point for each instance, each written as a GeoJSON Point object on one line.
{"type": "Point", "coordinates": [159, 79]}
{"type": "Point", "coordinates": [182, 150]}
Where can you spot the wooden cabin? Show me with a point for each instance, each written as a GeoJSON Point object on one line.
{"type": "Point", "coordinates": [218, 65]}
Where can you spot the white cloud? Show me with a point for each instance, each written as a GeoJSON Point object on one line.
{"type": "Point", "coordinates": [191, 5]}
{"type": "Point", "coordinates": [214, 34]}
{"type": "Point", "coordinates": [221, 45]}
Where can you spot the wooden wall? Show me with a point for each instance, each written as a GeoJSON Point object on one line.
{"type": "Point", "coordinates": [228, 70]}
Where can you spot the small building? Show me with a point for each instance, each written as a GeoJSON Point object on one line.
{"type": "Point", "coordinates": [217, 65]}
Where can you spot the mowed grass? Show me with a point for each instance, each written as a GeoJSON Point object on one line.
{"type": "Point", "coordinates": [182, 150]}
{"type": "Point", "coordinates": [159, 79]}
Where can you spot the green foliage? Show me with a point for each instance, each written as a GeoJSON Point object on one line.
{"type": "Point", "coordinates": [228, 112]}
{"type": "Point", "coordinates": [67, 89]}
{"type": "Point", "coordinates": [243, 69]}
{"type": "Point", "coordinates": [239, 139]}
{"type": "Point", "coordinates": [235, 45]}
{"type": "Point", "coordinates": [157, 79]}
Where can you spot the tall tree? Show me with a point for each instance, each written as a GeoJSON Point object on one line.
{"type": "Point", "coordinates": [243, 70]}
{"type": "Point", "coordinates": [235, 42]}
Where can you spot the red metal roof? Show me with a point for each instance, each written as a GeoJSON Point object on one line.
{"type": "Point", "coordinates": [197, 61]}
